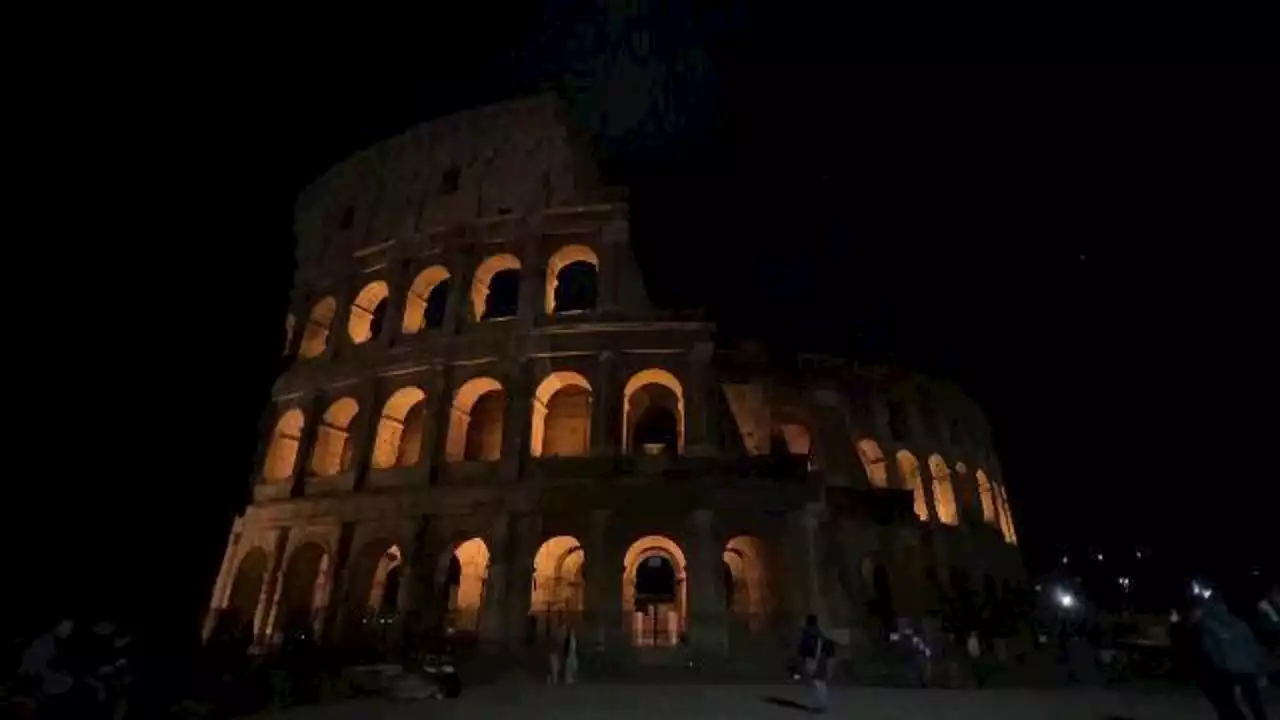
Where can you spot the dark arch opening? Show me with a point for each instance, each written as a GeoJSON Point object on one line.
{"type": "Point", "coordinates": [655, 581]}
{"type": "Point", "coordinates": [377, 318]}
{"type": "Point", "coordinates": [484, 430]}
{"type": "Point", "coordinates": [391, 591]}
{"type": "Point", "coordinates": [503, 299]}
{"type": "Point", "coordinates": [437, 303]}
{"type": "Point", "coordinates": [577, 287]}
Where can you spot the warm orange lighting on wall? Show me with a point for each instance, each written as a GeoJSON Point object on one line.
{"type": "Point", "coordinates": [491, 266]}
{"type": "Point", "coordinates": [563, 257]}
{"type": "Point", "coordinates": [561, 417]}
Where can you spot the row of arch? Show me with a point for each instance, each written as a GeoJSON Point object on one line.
{"type": "Point", "coordinates": [654, 594]}
{"type": "Point", "coordinates": [652, 422]}
{"type": "Point", "coordinates": [992, 498]}
{"type": "Point", "coordinates": [571, 282]}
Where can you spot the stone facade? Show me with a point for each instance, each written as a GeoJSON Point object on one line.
{"type": "Point", "coordinates": [484, 425]}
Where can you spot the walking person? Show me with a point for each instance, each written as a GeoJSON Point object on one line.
{"type": "Point", "coordinates": [1234, 660]}
{"type": "Point", "coordinates": [815, 662]}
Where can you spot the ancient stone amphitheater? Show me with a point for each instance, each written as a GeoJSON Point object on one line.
{"type": "Point", "coordinates": [484, 428]}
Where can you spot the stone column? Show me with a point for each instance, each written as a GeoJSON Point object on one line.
{"type": "Point", "coordinates": [524, 545]}
{"type": "Point", "coordinates": [804, 563]}
{"type": "Point", "coordinates": [457, 314]}
{"type": "Point", "coordinates": [335, 611]}
{"type": "Point", "coordinates": [515, 422]}
{"type": "Point", "coordinates": [225, 574]}
{"type": "Point", "coordinates": [265, 614]}
{"type": "Point", "coordinates": [397, 285]}
{"type": "Point", "coordinates": [613, 246]}
{"type": "Point", "coordinates": [533, 273]}
{"type": "Point", "coordinates": [364, 432]}
{"type": "Point", "coordinates": [314, 407]}
{"type": "Point", "coordinates": [699, 403]}
{"type": "Point", "coordinates": [708, 626]}
{"type": "Point", "coordinates": [436, 417]}
{"type": "Point", "coordinates": [605, 401]}
{"type": "Point", "coordinates": [493, 603]}
{"type": "Point", "coordinates": [602, 621]}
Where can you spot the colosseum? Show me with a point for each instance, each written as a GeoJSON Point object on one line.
{"type": "Point", "coordinates": [484, 428]}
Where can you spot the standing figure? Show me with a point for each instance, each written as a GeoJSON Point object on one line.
{"type": "Point", "coordinates": [815, 661]}
{"type": "Point", "coordinates": [1234, 659]}
{"type": "Point", "coordinates": [570, 657]}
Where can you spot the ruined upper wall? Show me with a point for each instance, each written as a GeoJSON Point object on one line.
{"type": "Point", "coordinates": [512, 158]}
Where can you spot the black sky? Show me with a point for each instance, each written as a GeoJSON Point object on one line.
{"type": "Point", "coordinates": [1083, 248]}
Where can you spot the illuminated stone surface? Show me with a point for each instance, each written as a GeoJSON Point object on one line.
{"type": "Point", "coordinates": [426, 457]}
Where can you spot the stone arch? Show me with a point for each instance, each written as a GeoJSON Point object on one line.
{"type": "Point", "coordinates": [464, 574]}
{"type": "Point", "coordinates": [241, 605]}
{"type": "Point", "coordinates": [315, 338]}
{"type": "Point", "coordinates": [873, 462]}
{"type": "Point", "coordinates": [424, 305]}
{"type": "Point", "coordinates": [568, 259]}
{"type": "Point", "coordinates": [987, 497]}
{"type": "Point", "coordinates": [376, 570]}
{"type": "Point", "coordinates": [333, 448]}
{"type": "Point", "coordinates": [282, 450]}
{"type": "Point", "coordinates": [556, 598]}
{"type": "Point", "coordinates": [747, 591]}
{"type": "Point", "coordinates": [655, 595]}
{"type": "Point", "coordinates": [485, 274]}
{"type": "Point", "coordinates": [399, 439]}
{"type": "Point", "coordinates": [368, 312]}
{"type": "Point", "coordinates": [561, 418]}
{"type": "Point", "coordinates": [1004, 514]}
{"type": "Point", "coordinates": [796, 435]}
{"type": "Point", "coordinates": [653, 400]}
{"type": "Point", "coordinates": [475, 421]}
{"type": "Point", "coordinates": [303, 591]}
{"type": "Point", "coordinates": [944, 494]}
{"type": "Point", "coordinates": [909, 470]}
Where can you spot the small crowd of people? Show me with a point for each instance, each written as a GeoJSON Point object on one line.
{"type": "Point", "coordinates": [1228, 660]}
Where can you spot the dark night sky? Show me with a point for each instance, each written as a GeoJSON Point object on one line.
{"type": "Point", "coordinates": [1080, 247]}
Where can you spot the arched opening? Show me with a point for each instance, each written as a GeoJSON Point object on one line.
{"type": "Point", "coordinates": [909, 469]}
{"type": "Point", "coordinates": [333, 450]}
{"type": "Point", "coordinates": [793, 438]}
{"type": "Point", "coordinates": [246, 588]}
{"type": "Point", "coordinates": [653, 413]}
{"type": "Point", "coordinates": [986, 497]}
{"type": "Point", "coordinates": [556, 600]}
{"type": "Point", "coordinates": [747, 594]}
{"type": "Point", "coordinates": [289, 322]}
{"type": "Point", "coordinates": [315, 338]}
{"type": "Point", "coordinates": [372, 595]}
{"type": "Point", "coordinates": [495, 292]}
{"type": "Point", "coordinates": [944, 495]}
{"type": "Point", "coordinates": [572, 280]}
{"type": "Point", "coordinates": [475, 421]}
{"type": "Point", "coordinates": [368, 312]}
{"type": "Point", "coordinates": [282, 451]}
{"type": "Point", "coordinates": [400, 429]}
{"type": "Point", "coordinates": [465, 571]}
{"type": "Point", "coordinates": [654, 591]}
{"type": "Point", "coordinates": [425, 304]}
{"type": "Point", "coordinates": [303, 593]}
{"type": "Point", "coordinates": [873, 462]}
{"type": "Point", "coordinates": [561, 418]}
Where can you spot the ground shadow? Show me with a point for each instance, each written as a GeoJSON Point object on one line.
{"type": "Point", "coordinates": [784, 702]}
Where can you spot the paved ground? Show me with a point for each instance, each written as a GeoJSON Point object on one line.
{"type": "Point", "coordinates": [762, 702]}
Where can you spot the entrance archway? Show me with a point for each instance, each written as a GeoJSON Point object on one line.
{"type": "Point", "coordinates": [304, 593]}
{"type": "Point", "coordinates": [747, 595]}
{"type": "Point", "coordinates": [556, 599]}
{"type": "Point", "coordinates": [655, 591]}
{"type": "Point", "coordinates": [462, 575]}
{"type": "Point", "coordinates": [242, 602]}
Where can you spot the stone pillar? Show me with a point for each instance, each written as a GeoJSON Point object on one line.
{"type": "Point", "coordinates": [265, 614]}
{"type": "Point", "coordinates": [398, 286]}
{"type": "Point", "coordinates": [613, 247]}
{"type": "Point", "coordinates": [527, 532]}
{"type": "Point", "coordinates": [533, 273]}
{"type": "Point", "coordinates": [314, 407]}
{"type": "Point", "coordinates": [364, 432]}
{"type": "Point", "coordinates": [700, 403]}
{"type": "Point", "coordinates": [515, 422]}
{"type": "Point", "coordinates": [602, 621]}
{"type": "Point", "coordinates": [708, 626]}
{"type": "Point", "coordinates": [606, 400]}
{"type": "Point", "coordinates": [335, 611]}
{"type": "Point", "coordinates": [493, 603]}
{"type": "Point", "coordinates": [436, 417]}
{"type": "Point", "coordinates": [804, 563]}
{"type": "Point", "coordinates": [457, 314]}
{"type": "Point", "coordinates": [226, 573]}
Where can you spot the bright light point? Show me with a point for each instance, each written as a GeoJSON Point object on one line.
{"type": "Point", "coordinates": [1139, 553]}
{"type": "Point", "coordinates": [1124, 583]}
{"type": "Point", "coordinates": [1099, 556]}
{"type": "Point", "coordinates": [1064, 559]}
{"type": "Point", "coordinates": [1066, 599]}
